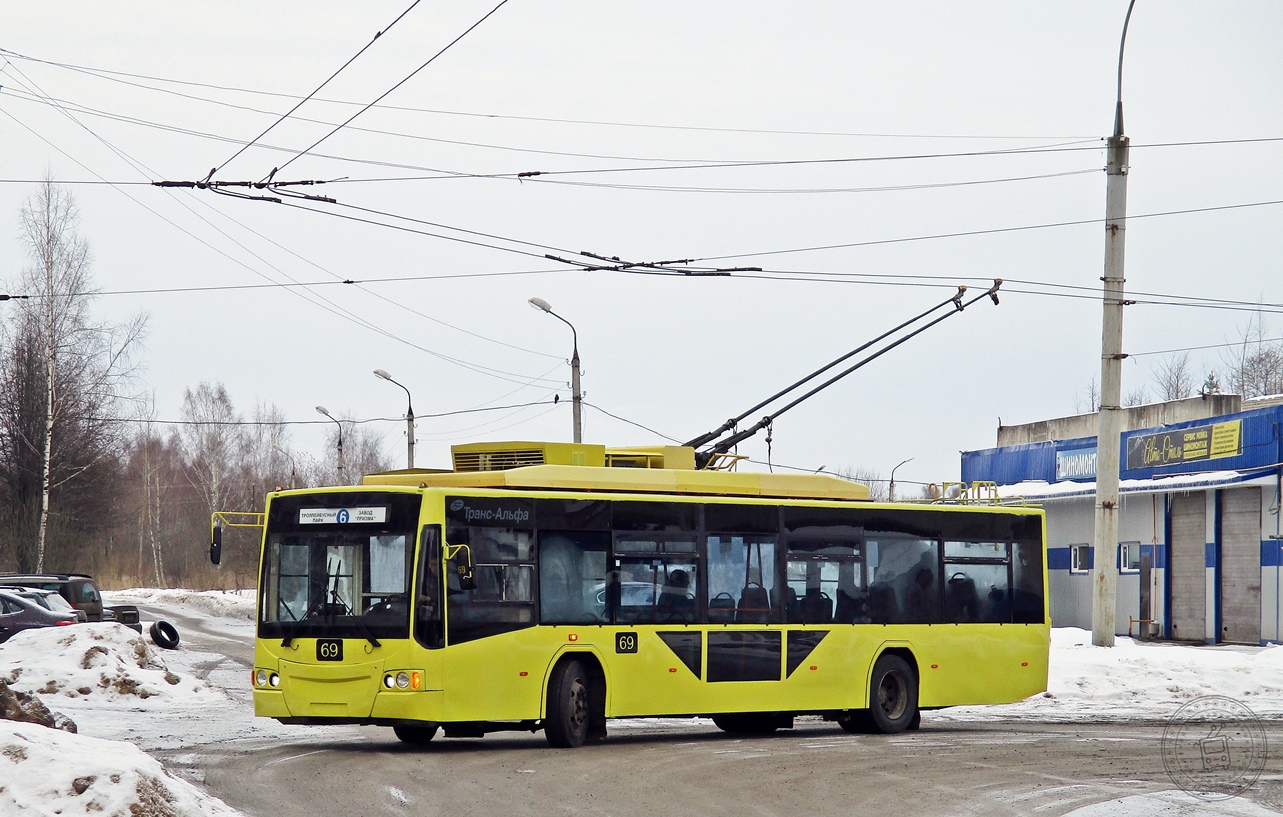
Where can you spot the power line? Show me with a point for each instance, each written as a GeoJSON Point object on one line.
{"type": "Point", "coordinates": [304, 100]}
{"type": "Point", "coordinates": [1208, 346]}
{"type": "Point", "coordinates": [790, 190]}
{"type": "Point", "coordinates": [110, 75]}
{"type": "Point", "coordinates": [382, 96]}
{"type": "Point", "coordinates": [538, 176]}
{"type": "Point", "coordinates": [376, 131]}
{"type": "Point", "coordinates": [990, 231]}
{"type": "Point", "coordinates": [315, 300]}
{"type": "Point", "coordinates": [632, 423]}
{"type": "Point", "coordinates": [349, 421]}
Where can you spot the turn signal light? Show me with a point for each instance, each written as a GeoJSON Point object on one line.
{"type": "Point", "coordinates": [416, 680]}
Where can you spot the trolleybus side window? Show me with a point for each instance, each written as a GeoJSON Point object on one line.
{"type": "Point", "coordinates": [427, 609]}
{"type": "Point", "coordinates": [741, 579]}
{"type": "Point", "coordinates": [658, 578]}
{"type": "Point", "coordinates": [825, 574]}
{"type": "Point", "coordinates": [978, 583]}
{"type": "Point", "coordinates": [573, 576]}
{"type": "Point", "coordinates": [904, 578]}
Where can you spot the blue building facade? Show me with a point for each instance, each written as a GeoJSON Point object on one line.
{"type": "Point", "coordinates": [1199, 549]}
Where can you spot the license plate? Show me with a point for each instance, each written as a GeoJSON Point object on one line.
{"type": "Point", "coordinates": [329, 649]}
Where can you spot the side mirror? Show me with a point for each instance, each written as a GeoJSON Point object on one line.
{"type": "Point", "coordinates": [216, 545]}
{"type": "Point", "coordinates": [461, 560]}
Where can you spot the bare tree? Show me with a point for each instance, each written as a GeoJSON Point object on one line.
{"type": "Point", "coordinates": [211, 441]}
{"type": "Point", "coordinates": [1175, 378]}
{"type": "Point", "coordinates": [1254, 368]}
{"type": "Point", "coordinates": [879, 489]}
{"type": "Point", "coordinates": [1088, 401]}
{"type": "Point", "coordinates": [65, 389]}
{"type": "Point", "coordinates": [1136, 397]}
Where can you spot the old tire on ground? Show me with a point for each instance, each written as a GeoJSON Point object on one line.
{"type": "Point", "coordinates": [164, 635]}
{"type": "Point", "coordinates": [569, 705]}
{"type": "Point", "coordinates": [751, 723]}
{"type": "Point", "coordinates": [893, 695]}
{"type": "Point", "coordinates": [417, 735]}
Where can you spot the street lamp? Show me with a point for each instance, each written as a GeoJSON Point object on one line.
{"type": "Point", "coordinates": [293, 466]}
{"type": "Point", "coordinates": [326, 412]}
{"type": "Point", "coordinates": [891, 488]}
{"type": "Point", "coordinates": [544, 306]}
{"type": "Point", "coordinates": [409, 417]}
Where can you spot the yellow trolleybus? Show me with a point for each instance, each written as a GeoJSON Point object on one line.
{"type": "Point", "coordinates": [547, 586]}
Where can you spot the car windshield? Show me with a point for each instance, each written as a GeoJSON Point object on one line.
{"type": "Point", "coordinates": [342, 576]}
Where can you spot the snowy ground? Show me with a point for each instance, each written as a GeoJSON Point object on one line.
{"type": "Point", "coordinates": [127, 696]}
{"type": "Point", "coordinates": [113, 683]}
{"type": "Point", "coordinates": [1137, 680]}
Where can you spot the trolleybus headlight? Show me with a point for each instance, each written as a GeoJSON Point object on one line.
{"type": "Point", "coordinates": [403, 680]}
{"type": "Point", "coordinates": [260, 678]}
{"type": "Point", "coordinates": [389, 681]}
{"type": "Point", "coordinates": [275, 680]}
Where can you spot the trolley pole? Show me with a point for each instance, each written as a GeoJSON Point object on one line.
{"type": "Point", "coordinates": [1110, 426]}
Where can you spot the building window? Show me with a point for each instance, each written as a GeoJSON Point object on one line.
{"type": "Point", "coordinates": [1129, 557]}
{"type": "Point", "coordinates": [1079, 558]}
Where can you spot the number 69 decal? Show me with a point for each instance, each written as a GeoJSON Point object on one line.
{"type": "Point", "coordinates": [626, 642]}
{"type": "Point", "coordinates": [329, 649]}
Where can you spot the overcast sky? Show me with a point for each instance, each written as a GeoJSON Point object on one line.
{"type": "Point", "coordinates": [645, 90]}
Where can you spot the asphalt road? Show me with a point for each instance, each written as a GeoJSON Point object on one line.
{"type": "Point", "coordinates": [685, 768]}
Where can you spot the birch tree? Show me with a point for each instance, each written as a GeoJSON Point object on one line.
{"type": "Point", "coordinates": [66, 385]}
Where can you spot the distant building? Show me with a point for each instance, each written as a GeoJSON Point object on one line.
{"type": "Point", "coordinates": [1199, 548]}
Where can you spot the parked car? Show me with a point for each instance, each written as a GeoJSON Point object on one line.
{"type": "Point", "coordinates": [48, 599]}
{"type": "Point", "coordinates": [19, 612]}
{"type": "Point", "coordinates": [79, 590]}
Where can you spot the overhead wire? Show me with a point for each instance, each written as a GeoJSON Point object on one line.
{"type": "Point", "coordinates": [420, 137]}
{"type": "Point", "coordinates": [388, 92]}
{"type": "Point", "coordinates": [347, 420]}
{"type": "Point", "coordinates": [322, 302]}
{"type": "Point", "coordinates": [305, 99]}
{"type": "Point", "coordinates": [111, 75]}
{"type": "Point", "coordinates": [989, 231]}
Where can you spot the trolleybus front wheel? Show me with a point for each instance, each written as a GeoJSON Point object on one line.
{"type": "Point", "coordinates": [418, 735]}
{"type": "Point", "coordinates": [569, 706]}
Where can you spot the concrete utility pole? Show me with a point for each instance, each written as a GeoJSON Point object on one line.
{"type": "Point", "coordinates": [576, 393]}
{"type": "Point", "coordinates": [1104, 574]}
{"type": "Point", "coordinates": [409, 417]}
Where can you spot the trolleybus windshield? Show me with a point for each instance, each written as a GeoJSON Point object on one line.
{"type": "Point", "coordinates": [338, 569]}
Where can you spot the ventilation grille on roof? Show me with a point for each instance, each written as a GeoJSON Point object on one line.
{"type": "Point", "coordinates": [497, 460]}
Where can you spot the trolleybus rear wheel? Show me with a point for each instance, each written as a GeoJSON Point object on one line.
{"type": "Point", "coordinates": [893, 695]}
{"type": "Point", "coordinates": [415, 734]}
{"type": "Point", "coordinates": [569, 706]}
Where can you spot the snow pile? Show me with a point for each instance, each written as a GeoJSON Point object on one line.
{"type": "Point", "coordinates": [1141, 680]}
{"type": "Point", "coordinates": [235, 604]}
{"type": "Point", "coordinates": [105, 662]}
{"type": "Point", "coordinates": [46, 772]}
